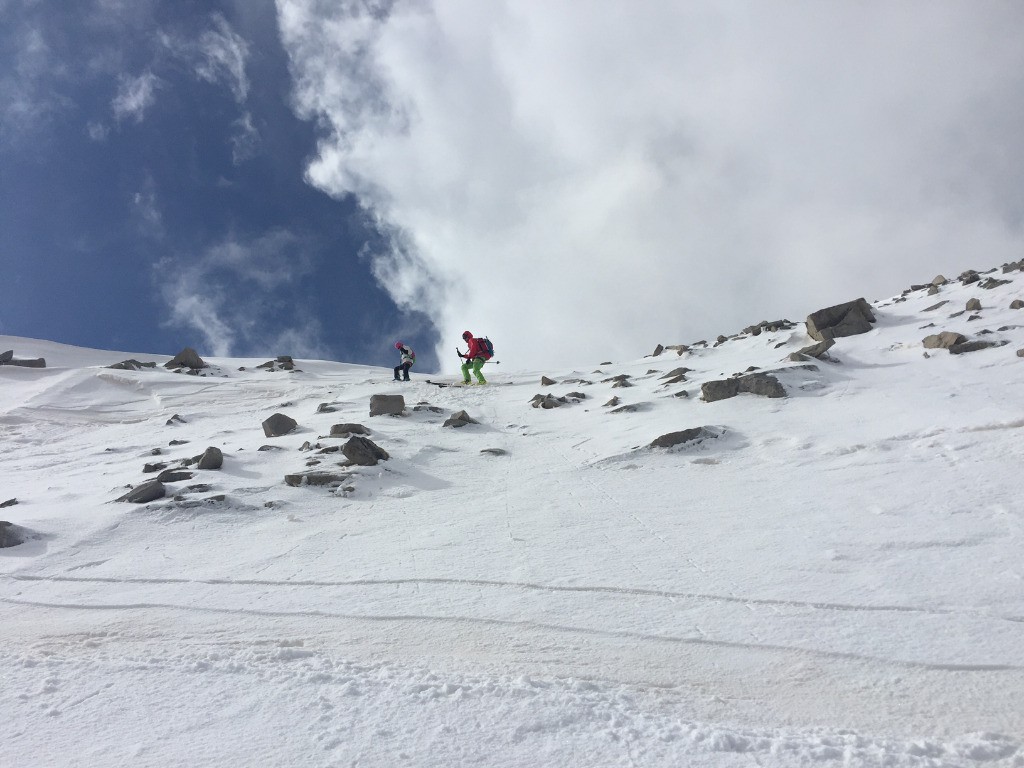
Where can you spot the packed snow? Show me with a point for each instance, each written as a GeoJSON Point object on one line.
{"type": "Point", "coordinates": [830, 578]}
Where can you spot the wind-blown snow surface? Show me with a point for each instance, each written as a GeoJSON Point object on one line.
{"type": "Point", "coordinates": [836, 580]}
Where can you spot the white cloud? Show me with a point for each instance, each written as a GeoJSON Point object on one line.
{"type": "Point", "coordinates": [222, 57]}
{"type": "Point", "coordinates": [135, 95]}
{"type": "Point", "coordinates": [245, 139]}
{"type": "Point", "coordinates": [226, 294]}
{"type": "Point", "coordinates": [578, 185]}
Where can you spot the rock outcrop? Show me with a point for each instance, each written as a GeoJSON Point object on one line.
{"type": "Point", "coordinates": [849, 319]}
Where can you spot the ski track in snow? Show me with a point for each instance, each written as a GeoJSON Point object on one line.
{"type": "Point", "coordinates": [834, 580]}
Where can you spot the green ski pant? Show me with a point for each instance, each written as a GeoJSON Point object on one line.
{"type": "Point", "coordinates": [476, 363]}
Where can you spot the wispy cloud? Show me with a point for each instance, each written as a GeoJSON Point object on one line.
{"type": "Point", "coordinates": [237, 296]}
{"type": "Point", "coordinates": [245, 139]}
{"type": "Point", "coordinates": [218, 56]}
{"type": "Point", "coordinates": [134, 96]}
{"type": "Point", "coordinates": [662, 174]}
{"type": "Point", "coordinates": [27, 97]}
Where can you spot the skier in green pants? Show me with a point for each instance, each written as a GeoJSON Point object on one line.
{"type": "Point", "coordinates": [475, 358]}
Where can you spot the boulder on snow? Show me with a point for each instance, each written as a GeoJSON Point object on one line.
{"type": "Point", "coordinates": [316, 478]}
{"type": "Point", "coordinates": [974, 305]}
{"type": "Point", "coordinates": [943, 340]}
{"type": "Point", "coordinates": [548, 401]}
{"type": "Point", "coordinates": [459, 419]}
{"type": "Point", "coordinates": [672, 439]}
{"type": "Point", "coordinates": [1017, 304]}
{"type": "Point", "coordinates": [363, 451]}
{"type": "Point", "coordinates": [212, 458]}
{"type": "Point", "coordinates": [11, 535]}
{"type": "Point", "coordinates": [8, 359]}
{"type": "Point", "coordinates": [279, 424]}
{"type": "Point", "coordinates": [131, 365]}
{"type": "Point", "coordinates": [763, 384]}
{"type": "Point", "coordinates": [347, 430]}
{"type": "Point", "coordinates": [187, 358]}
{"type": "Point", "coordinates": [818, 350]}
{"type": "Point", "coordinates": [145, 493]}
{"type": "Point", "coordinates": [973, 346]}
{"type": "Point", "coordinates": [8, 503]}
{"type": "Point", "coordinates": [848, 319]}
{"type": "Point", "coordinates": [387, 405]}
{"type": "Point", "coordinates": [546, 382]}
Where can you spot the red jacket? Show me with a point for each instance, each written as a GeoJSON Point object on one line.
{"type": "Point", "coordinates": [476, 348]}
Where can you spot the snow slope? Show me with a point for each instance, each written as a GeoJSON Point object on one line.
{"type": "Point", "coordinates": [834, 580]}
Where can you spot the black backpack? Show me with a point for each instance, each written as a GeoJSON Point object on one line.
{"type": "Point", "coordinates": [487, 347]}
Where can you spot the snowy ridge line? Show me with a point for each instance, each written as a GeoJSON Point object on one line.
{"type": "Point", "coordinates": [508, 623]}
{"type": "Point", "coordinates": [525, 585]}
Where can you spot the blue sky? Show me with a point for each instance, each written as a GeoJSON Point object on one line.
{"type": "Point", "coordinates": [320, 178]}
{"type": "Point", "coordinates": [153, 196]}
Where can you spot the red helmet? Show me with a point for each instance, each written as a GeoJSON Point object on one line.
{"type": "Point", "coordinates": [398, 345]}
{"type": "Point", "coordinates": [467, 335]}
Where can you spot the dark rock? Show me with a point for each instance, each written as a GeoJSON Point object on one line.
{"type": "Point", "coordinates": [610, 404]}
{"type": "Point", "coordinates": [155, 467]}
{"type": "Point", "coordinates": [681, 393]}
{"type": "Point", "coordinates": [547, 402]}
{"type": "Point", "coordinates": [973, 305]}
{"type": "Point", "coordinates": [326, 408]}
{"type": "Point", "coordinates": [317, 478]}
{"type": "Point", "coordinates": [347, 430]}
{"type": "Point", "coordinates": [8, 503]}
{"type": "Point", "coordinates": [935, 306]}
{"type": "Point", "coordinates": [763, 384]}
{"type": "Point", "coordinates": [38, 362]}
{"type": "Point", "coordinates": [932, 290]}
{"type": "Point", "coordinates": [175, 419]}
{"type": "Point", "coordinates": [145, 493]}
{"type": "Point", "coordinates": [426, 407]}
{"type": "Point", "coordinates": [974, 346]}
{"type": "Point", "coordinates": [212, 458]}
{"type": "Point", "coordinates": [546, 382]}
{"type": "Point", "coordinates": [991, 282]}
{"type": "Point", "coordinates": [174, 476]}
{"type": "Point", "coordinates": [621, 382]}
{"type": "Point", "coordinates": [676, 372]}
{"type": "Point", "coordinates": [11, 535]}
{"type": "Point", "coordinates": [575, 396]}
{"type": "Point", "coordinates": [939, 280]}
{"type": "Point", "coordinates": [657, 351]}
{"type": "Point", "coordinates": [330, 449]}
{"type": "Point", "coordinates": [692, 436]}
{"type": "Point", "coordinates": [968, 277]}
{"type": "Point", "coordinates": [631, 408]}
{"type": "Point", "coordinates": [131, 365]}
{"type": "Point", "coordinates": [279, 424]}
{"type": "Point", "coordinates": [719, 389]}
{"type": "Point", "coordinates": [1020, 352]}
{"type": "Point", "coordinates": [270, 448]}
{"type": "Point", "coordinates": [364, 452]}
{"type": "Point", "coordinates": [387, 405]}
{"type": "Point", "coordinates": [817, 350]}
{"type": "Point", "coordinates": [847, 319]}
{"type": "Point", "coordinates": [187, 358]}
{"type": "Point", "coordinates": [675, 380]}
{"type": "Point", "coordinates": [1017, 304]}
{"type": "Point", "coordinates": [6, 357]}
{"type": "Point", "coordinates": [943, 340]}
{"type": "Point", "coordinates": [459, 419]}
{"type": "Point", "coordinates": [494, 451]}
